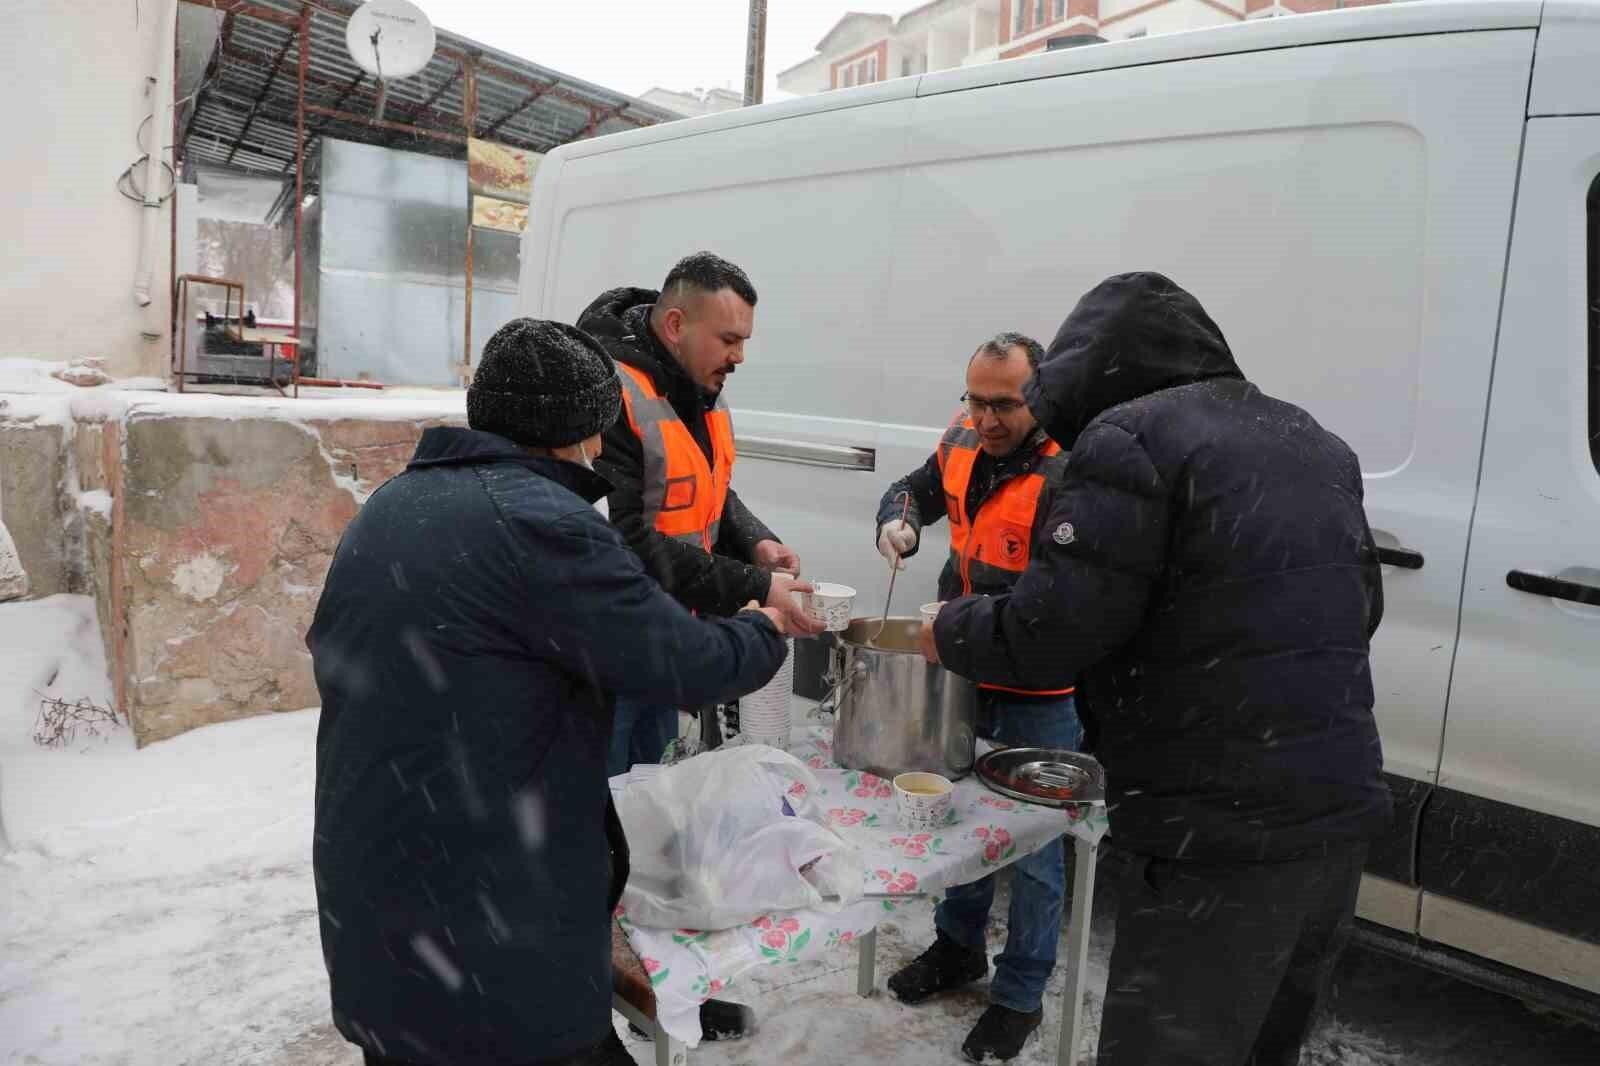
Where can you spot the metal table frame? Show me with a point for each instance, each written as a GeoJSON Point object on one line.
{"type": "Point", "coordinates": [1085, 855]}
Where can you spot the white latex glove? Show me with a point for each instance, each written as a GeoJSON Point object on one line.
{"type": "Point", "coordinates": [894, 540]}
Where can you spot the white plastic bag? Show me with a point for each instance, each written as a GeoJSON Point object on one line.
{"type": "Point", "coordinates": [712, 847]}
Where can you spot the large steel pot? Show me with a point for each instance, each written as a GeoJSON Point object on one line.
{"type": "Point", "coordinates": [894, 712]}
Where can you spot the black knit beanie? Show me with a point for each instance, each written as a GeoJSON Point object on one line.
{"type": "Point", "coordinates": [543, 385]}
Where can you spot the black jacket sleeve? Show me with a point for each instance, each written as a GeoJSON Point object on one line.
{"type": "Point", "coordinates": [926, 486]}
{"type": "Point", "coordinates": [619, 630]}
{"type": "Point", "coordinates": [741, 530]}
{"type": "Point", "coordinates": [1088, 582]}
{"type": "Point", "coordinates": [700, 580]}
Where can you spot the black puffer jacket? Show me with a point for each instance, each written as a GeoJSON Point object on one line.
{"type": "Point", "coordinates": [476, 623]}
{"type": "Point", "coordinates": [718, 582]}
{"type": "Point", "coordinates": [1209, 578]}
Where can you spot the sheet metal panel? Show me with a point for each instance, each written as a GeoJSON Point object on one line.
{"type": "Point", "coordinates": [391, 270]}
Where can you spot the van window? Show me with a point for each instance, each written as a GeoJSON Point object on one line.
{"type": "Point", "coordinates": [1592, 294]}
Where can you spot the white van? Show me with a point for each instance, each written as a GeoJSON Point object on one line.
{"type": "Point", "coordinates": [1392, 212]}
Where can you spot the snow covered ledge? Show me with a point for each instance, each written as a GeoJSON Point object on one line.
{"type": "Point", "coordinates": [203, 525]}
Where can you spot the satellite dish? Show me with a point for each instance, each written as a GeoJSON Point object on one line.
{"type": "Point", "coordinates": [390, 38]}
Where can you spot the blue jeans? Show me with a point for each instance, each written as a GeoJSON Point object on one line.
{"type": "Point", "coordinates": [1038, 882]}
{"type": "Point", "coordinates": [640, 732]}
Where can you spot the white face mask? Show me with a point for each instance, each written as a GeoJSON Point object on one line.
{"type": "Point", "coordinates": [602, 504]}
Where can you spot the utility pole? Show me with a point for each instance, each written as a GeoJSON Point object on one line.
{"type": "Point", "coordinates": [755, 54]}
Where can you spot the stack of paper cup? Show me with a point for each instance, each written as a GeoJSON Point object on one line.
{"type": "Point", "coordinates": [764, 715]}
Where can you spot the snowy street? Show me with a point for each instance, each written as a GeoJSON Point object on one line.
{"type": "Point", "coordinates": [158, 908]}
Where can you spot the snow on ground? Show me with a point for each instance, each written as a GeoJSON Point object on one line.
{"type": "Point", "coordinates": [158, 909]}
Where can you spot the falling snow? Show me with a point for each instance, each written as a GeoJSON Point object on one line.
{"type": "Point", "coordinates": [157, 908]}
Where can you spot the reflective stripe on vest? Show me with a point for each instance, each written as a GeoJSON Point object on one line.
{"type": "Point", "coordinates": [992, 547]}
{"type": "Point", "coordinates": [683, 493]}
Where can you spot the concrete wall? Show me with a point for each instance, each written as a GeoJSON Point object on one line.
{"type": "Point", "coordinates": [203, 526]}
{"type": "Point", "coordinates": [225, 529]}
{"type": "Point", "coordinates": [33, 473]}
{"type": "Point", "coordinates": [75, 74]}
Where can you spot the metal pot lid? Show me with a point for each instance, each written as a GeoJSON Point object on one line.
{"type": "Point", "coordinates": [1050, 777]}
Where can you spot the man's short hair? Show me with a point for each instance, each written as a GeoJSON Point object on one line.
{"type": "Point", "coordinates": [998, 346]}
{"type": "Point", "coordinates": [708, 273]}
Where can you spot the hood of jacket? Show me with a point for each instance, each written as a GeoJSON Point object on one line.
{"type": "Point", "coordinates": [1129, 336]}
{"type": "Point", "coordinates": [620, 320]}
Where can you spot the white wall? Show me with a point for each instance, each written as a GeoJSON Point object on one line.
{"type": "Point", "coordinates": [947, 45]}
{"type": "Point", "coordinates": [1169, 18]}
{"type": "Point", "coordinates": [74, 78]}
{"type": "Point", "coordinates": [806, 78]}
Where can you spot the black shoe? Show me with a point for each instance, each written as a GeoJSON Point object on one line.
{"type": "Point", "coordinates": [943, 966]}
{"type": "Point", "coordinates": [1000, 1034]}
{"type": "Point", "coordinates": [719, 1020]}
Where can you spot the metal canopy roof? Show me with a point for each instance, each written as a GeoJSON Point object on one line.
{"type": "Point", "coordinates": [243, 112]}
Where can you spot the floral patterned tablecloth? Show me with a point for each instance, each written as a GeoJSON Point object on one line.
{"type": "Point", "coordinates": [687, 966]}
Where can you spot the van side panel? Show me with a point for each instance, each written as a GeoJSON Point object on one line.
{"type": "Point", "coordinates": [806, 205]}
{"type": "Point", "coordinates": [1342, 210]}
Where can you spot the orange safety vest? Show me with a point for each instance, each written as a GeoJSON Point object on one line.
{"type": "Point", "coordinates": [992, 546]}
{"type": "Point", "coordinates": [683, 493]}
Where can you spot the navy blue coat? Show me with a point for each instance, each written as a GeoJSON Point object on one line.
{"type": "Point", "coordinates": [1208, 576]}
{"type": "Point", "coordinates": [477, 622]}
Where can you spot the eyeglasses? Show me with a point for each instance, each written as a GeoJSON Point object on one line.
{"type": "Point", "coordinates": [998, 408]}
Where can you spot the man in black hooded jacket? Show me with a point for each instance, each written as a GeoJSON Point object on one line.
{"type": "Point", "coordinates": [1208, 577]}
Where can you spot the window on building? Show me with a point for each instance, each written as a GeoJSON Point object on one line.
{"type": "Point", "coordinates": [849, 76]}
{"type": "Point", "coordinates": [1019, 16]}
{"type": "Point", "coordinates": [1061, 9]}
{"type": "Point", "coordinates": [905, 67]}
{"type": "Point", "coordinates": [872, 69]}
{"type": "Point", "coordinates": [922, 64]}
{"type": "Point", "coordinates": [1039, 9]}
{"type": "Point", "coordinates": [1593, 294]}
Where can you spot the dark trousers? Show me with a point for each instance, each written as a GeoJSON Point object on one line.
{"type": "Point", "coordinates": [640, 732]}
{"type": "Point", "coordinates": [609, 1052]}
{"type": "Point", "coordinates": [1225, 964]}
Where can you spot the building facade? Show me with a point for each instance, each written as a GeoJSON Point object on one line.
{"type": "Point", "coordinates": [865, 48]}
{"type": "Point", "coordinates": [694, 102]}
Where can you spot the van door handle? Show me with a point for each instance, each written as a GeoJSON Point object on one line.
{"type": "Point", "coordinates": [1404, 558]}
{"type": "Point", "coordinates": [1559, 588]}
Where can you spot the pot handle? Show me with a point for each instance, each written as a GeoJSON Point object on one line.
{"type": "Point", "coordinates": [829, 704]}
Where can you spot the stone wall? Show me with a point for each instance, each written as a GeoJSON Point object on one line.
{"type": "Point", "coordinates": [225, 533]}
{"type": "Point", "coordinates": [204, 534]}
{"type": "Point", "coordinates": [33, 464]}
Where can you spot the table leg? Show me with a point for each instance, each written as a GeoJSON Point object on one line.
{"type": "Point", "coordinates": [866, 971]}
{"type": "Point", "coordinates": [1083, 858]}
{"type": "Point", "coordinates": [669, 1052]}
